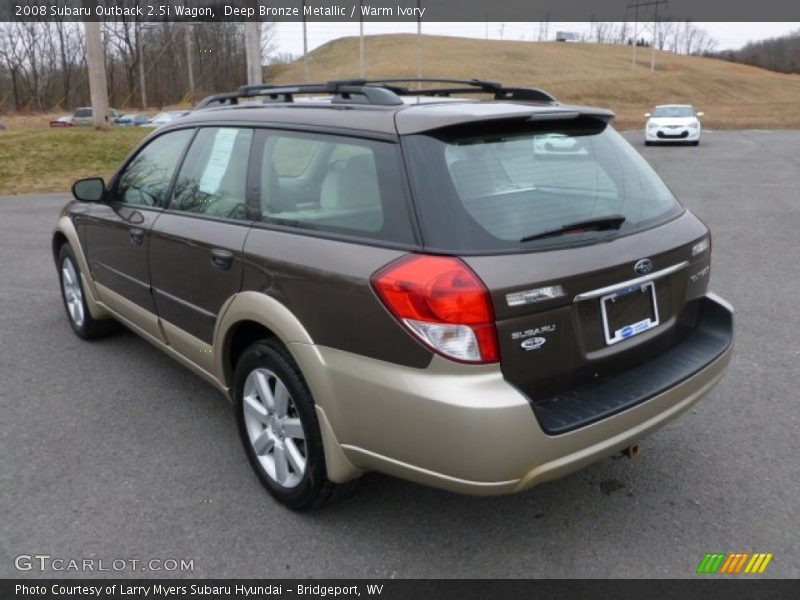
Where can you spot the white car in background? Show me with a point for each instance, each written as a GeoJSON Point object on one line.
{"type": "Point", "coordinates": [165, 117]}
{"type": "Point", "coordinates": [673, 123]}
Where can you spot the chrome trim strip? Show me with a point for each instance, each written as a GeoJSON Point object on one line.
{"type": "Point", "coordinates": [631, 282]}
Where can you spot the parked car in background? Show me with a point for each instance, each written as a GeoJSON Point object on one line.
{"type": "Point", "coordinates": [132, 120]}
{"type": "Point", "coordinates": [63, 121]}
{"type": "Point", "coordinates": [84, 115]}
{"type": "Point", "coordinates": [2, 126]}
{"type": "Point", "coordinates": [165, 117]}
{"type": "Point", "coordinates": [478, 296]}
{"type": "Point", "coordinates": [673, 123]}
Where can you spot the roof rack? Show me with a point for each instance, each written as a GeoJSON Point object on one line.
{"type": "Point", "coordinates": [342, 91]}
{"type": "Point", "coordinates": [474, 86]}
{"type": "Point", "coordinates": [380, 92]}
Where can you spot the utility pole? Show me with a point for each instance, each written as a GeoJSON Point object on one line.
{"type": "Point", "coordinates": [189, 60]}
{"type": "Point", "coordinates": [655, 38]}
{"type": "Point", "coordinates": [362, 67]}
{"type": "Point", "coordinates": [645, 27]}
{"type": "Point", "coordinates": [140, 53]}
{"type": "Point", "coordinates": [252, 45]}
{"type": "Point", "coordinates": [305, 46]}
{"type": "Point", "coordinates": [95, 61]}
{"type": "Point", "coordinates": [419, 43]}
{"type": "Point", "coordinates": [635, 33]}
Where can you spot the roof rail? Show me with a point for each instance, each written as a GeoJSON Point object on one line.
{"type": "Point", "coordinates": [479, 86]}
{"type": "Point", "coordinates": [343, 92]}
{"type": "Point", "coordinates": [380, 92]}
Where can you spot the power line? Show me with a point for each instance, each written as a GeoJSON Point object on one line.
{"type": "Point", "coordinates": [645, 26]}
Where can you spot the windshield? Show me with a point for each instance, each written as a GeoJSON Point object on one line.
{"type": "Point", "coordinates": [506, 184]}
{"type": "Point", "coordinates": [674, 111]}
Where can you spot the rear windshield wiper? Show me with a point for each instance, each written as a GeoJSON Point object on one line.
{"type": "Point", "coordinates": [597, 224]}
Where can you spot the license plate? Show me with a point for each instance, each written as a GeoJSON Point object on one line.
{"type": "Point", "coordinates": [629, 312]}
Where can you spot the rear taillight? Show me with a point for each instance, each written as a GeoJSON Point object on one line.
{"type": "Point", "coordinates": [443, 303]}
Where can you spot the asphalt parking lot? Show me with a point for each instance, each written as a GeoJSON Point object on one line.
{"type": "Point", "coordinates": [112, 450]}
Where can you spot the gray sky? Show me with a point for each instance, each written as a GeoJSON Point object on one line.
{"type": "Point", "coordinates": [289, 36]}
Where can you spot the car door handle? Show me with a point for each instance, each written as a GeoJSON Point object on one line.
{"type": "Point", "coordinates": [221, 259]}
{"type": "Point", "coordinates": [137, 236]}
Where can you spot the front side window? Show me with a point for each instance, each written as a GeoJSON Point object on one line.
{"type": "Point", "coordinates": [146, 179]}
{"type": "Point", "coordinates": [336, 184]}
{"type": "Point", "coordinates": [213, 177]}
{"type": "Point", "coordinates": [489, 187]}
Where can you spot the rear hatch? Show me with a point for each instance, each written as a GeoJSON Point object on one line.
{"type": "Point", "coordinates": [605, 319]}
{"type": "Point", "coordinates": [593, 267]}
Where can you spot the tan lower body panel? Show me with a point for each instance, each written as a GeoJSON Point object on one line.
{"type": "Point", "coordinates": [464, 428]}
{"type": "Point", "coordinates": [149, 326]}
{"type": "Point", "coordinates": [95, 309]}
{"type": "Point", "coordinates": [452, 426]}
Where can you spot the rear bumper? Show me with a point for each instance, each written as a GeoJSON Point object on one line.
{"type": "Point", "coordinates": [597, 400]}
{"type": "Point", "coordinates": [464, 428]}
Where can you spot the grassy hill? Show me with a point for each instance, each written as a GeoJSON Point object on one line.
{"type": "Point", "coordinates": [732, 95]}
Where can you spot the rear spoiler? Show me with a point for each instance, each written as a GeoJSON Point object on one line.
{"type": "Point", "coordinates": [433, 120]}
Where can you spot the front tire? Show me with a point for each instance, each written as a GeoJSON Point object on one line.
{"type": "Point", "coordinates": [74, 297]}
{"type": "Point", "coordinates": [279, 429]}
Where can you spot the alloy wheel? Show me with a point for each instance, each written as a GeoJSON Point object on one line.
{"type": "Point", "coordinates": [73, 294]}
{"type": "Point", "coordinates": [274, 428]}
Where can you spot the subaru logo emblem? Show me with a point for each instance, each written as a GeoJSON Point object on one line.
{"type": "Point", "coordinates": [643, 267]}
{"type": "Point", "coordinates": [533, 343]}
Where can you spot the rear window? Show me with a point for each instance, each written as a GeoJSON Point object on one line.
{"type": "Point", "coordinates": [83, 112]}
{"type": "Point", "coordinates": [488, 188]}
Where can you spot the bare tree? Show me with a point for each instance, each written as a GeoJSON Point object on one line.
{"type": "Point", "coordinates": [603, 32]}
{"type": "Point", "coordinates": [777, 54]}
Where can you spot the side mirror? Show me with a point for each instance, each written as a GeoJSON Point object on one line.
{"type": "Point", "coordinates": [700, 114]}
{"type": "Point", "coordinates": [92, 189]}
{"type": "Point", "coordinates": [647, 115]}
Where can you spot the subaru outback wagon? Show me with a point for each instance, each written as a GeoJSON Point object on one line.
{"type": "Point", "coordinates": [478, 295]}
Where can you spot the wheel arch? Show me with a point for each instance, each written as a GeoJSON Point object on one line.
{"type": "Point", "coordinates": [59, 239]}
{"type": "Point", "coordinates": [65, 233]}
{"type": "Point", "coordinates": [251, 315]}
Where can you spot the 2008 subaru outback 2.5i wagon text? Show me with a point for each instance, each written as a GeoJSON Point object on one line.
{"type": "Point", "coordinates": [474, 295]}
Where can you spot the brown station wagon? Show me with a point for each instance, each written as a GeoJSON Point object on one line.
{"type": "Point", "coordinates": [474, 295]}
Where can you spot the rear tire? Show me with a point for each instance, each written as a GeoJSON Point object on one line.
{"type": "Point", "coordinates": [74, 297]}
{"type": "Point", "coordinates": [279, 429]}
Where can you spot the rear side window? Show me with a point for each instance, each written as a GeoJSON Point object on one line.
{"type": "Point", "coordinates": [146, 179]}
{"type": "Point", "coordinates": [491, 187]}
{"type": "Point", "coordinates": [213, 177]}
{"type": "Point", "coordinates": [334, 184]}
{"type": "Point", "coordinates": [83, 112]}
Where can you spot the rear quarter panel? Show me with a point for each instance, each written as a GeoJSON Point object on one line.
{"type": "Point", "coordinates": [325, 284]}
